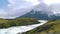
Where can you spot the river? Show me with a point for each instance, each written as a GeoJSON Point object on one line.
{"type": "Point", "coordinates": [21, 29]}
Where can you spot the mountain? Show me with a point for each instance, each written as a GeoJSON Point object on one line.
{"type": "Point", "coordinates": [34, 14]}
{"type": "Point", "coordinates": [55, 9]}
{"type": "Point", "coordinates": [44, 12]}
{"type": "Point", "coordinates": [39, 15]}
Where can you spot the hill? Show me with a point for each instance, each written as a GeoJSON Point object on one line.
{"type": "Point", "coordinates": [51, 27]}
{"type": "Point", "coordinates": [17, 22]}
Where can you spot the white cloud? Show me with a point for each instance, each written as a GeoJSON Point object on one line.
{"type": "Point", "coordinates": [34, 2]}
{"type": "Point", "coordinates": [9, 5]}
{"type": "Point", "coordinates": [49, 7]}
{"type": "Point", "coordinates": [3, 13]}
{"type": "Point", "coordinates": [20, 7]}
{"type": "Point", "coordinates": [49, 2]}
{"type": "Point", "coordinates": [17, 4]}
{"type": "Point", "coordinates": [55, 8]}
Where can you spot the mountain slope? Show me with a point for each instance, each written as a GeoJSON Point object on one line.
{"type": "Point", "coordinates": [17, 22]}
{"type": "Point", "coordinates": [39, 15]}
{"type": "Point", "coordinates": [51, 27]}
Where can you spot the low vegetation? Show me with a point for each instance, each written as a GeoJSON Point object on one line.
{"type": "Point", "coordinates": [17, 22]}
{"type": "Point", "coordinates": [51, 27]}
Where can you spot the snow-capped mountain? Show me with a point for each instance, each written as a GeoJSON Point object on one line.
{"type": "Point", "coordinates": [53, 9]}
{"type": "Point", "coordinates": [39, 15]}
{"type": "Point", "coordinates": [42, 11]}
{"type": "Point", "coordinates": [35, 14]}
{"type": "Point", "coordinates": [18, 8]}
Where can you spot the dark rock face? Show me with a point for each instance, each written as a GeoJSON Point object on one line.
{"type": "Point", "coordinates": [18, 33]}
{"type": "Point", "coordinates": [39, 15]}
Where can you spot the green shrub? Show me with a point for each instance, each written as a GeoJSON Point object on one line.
{"type": "Point", "coordinates": [51, 27]}
{"type": "Point", "coordinates": [18, 22]}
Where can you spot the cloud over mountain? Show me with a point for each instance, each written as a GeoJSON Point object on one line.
{"type": "Point", "coordinates": [17, 8]}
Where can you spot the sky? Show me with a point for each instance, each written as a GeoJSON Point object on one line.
{"type": "Point", "coordinates": [15, 8]}
{"type": "Point", "coordinates": [49, 2]}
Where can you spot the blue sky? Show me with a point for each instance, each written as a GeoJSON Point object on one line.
{"type": "Point", "coordinates": [3, 3]}
{"type": "Point", "coordinates": [14, 8]}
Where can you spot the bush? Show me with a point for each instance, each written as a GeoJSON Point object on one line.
{"type": "Point", "coordinates": [18, 22]}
